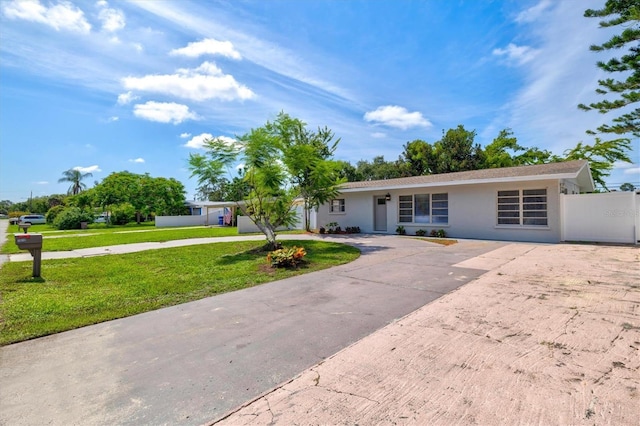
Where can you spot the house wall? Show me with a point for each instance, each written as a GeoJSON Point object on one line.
{"type": "Point", "coordinates": [472, 212]}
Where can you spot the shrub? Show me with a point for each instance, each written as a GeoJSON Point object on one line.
{"type": "Point", "coordinates": [421, 232]}
{"type": "Point", "coordinates": [440, 233]}
{"type": "Point", "coordinates": [400, 230]}
{"type": "Point", "coordinates": [71, 217]}
{"type": "Point", "coordinates": [322, 230]}
{"type": "Point", "coordinates": [286, 257]}
{"type": "Point", "coordinates": [122, 214]}
{"type": "Point", "coordinates": [53, 213]}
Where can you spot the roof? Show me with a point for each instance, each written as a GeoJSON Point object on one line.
{"type": "Point", "coordinates": [576, 169]}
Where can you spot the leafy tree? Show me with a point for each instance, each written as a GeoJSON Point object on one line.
{"type": "Point", "coordinates": [5, 206]}
{"type": "Point", "coordinates": [347, 171]}
{"type": "Point", "coordinates": [146, 194]}
{"type": "Point", "coordinates": [505, 151]}
{"type": "Point", "coordinates": [456, 151]}
{"type": "Point", "coordinates": [75, 177]}
{"type": "Point", "coordinates": [379, 169]}
{"type": "Point", "coordinates": [282, 161]}
{"type": "Point", "coordinates": [307, 155]}
{"type": "Point", "coordinates": [419, 158]}
{"type": "Point", "coordinates": [627, 187]}
{"type": "Point", "coordinates": [626, 90]}
{"type": "Point", "coordinates": [601, 156]}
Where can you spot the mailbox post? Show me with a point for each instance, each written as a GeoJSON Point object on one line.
{"type": "Point", "coordinates": [33, 243]}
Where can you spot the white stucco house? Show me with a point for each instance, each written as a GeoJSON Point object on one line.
{"type": "Point", "coordinates": [514, 204]}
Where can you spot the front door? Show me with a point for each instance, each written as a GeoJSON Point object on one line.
{"type": "Point", "coordinates": [380, 214]}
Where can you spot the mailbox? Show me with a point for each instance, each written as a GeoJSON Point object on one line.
{"type": "Point", "coordinates": [33, 243]}
{"type": "Point", "coordinates": [29, 241]}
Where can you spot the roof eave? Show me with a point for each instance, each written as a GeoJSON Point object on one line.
{"type": "Point", "coordinates": [468, 182]}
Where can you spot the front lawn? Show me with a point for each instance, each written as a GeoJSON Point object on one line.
{"type": "Point", "coordinates": [76, 292]}
{"type": "Point", "coordinates": [78, 239]}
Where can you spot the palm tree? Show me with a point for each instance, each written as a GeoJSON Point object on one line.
{"type": "Point", "coordinates": [75, 177]}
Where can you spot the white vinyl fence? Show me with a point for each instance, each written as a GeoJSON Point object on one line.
{"type": "Point", "coordinates": [195, 220]}
{"type": "Point", "coordinates": [612, 217]}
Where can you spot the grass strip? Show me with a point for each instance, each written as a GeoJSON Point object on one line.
{"type": "Point", "coordinates": [92, 238]}
{"type": "Point", "coordinates": [74, 293]}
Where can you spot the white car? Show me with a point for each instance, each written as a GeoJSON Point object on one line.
{"type": "Point", "coordinates": [102, 218]}
{"type": "Point", "coordinates": [33, 219]}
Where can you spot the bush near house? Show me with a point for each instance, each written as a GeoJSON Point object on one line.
{"type": "Point", "coordinates": [440, 233]}
{"type": "Point", "coordinates": [421, 232]}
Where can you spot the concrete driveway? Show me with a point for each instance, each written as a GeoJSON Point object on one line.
{"type": "Point", "coordinates": [194, 362]}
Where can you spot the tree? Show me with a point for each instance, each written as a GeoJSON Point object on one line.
{"type": "Point", "coordinates": [282, 162]}
{"type": "Point", "coordinates": [146, 194]}
{"type": "Point", "coordinates": [419, 158]}
{"type": "Point", "coordinates": [75, 177]}
{"type": "Point", "coordinates": [627, 187]}
{"type": "Point", "coordinates": [601, 156]}
{"type": "Point", "coordinates": [456, 151]}
{"type": "Point", "coordinates": [626, 90]}
{"type": "Point", "coordinates": [307, 156]}
{"type": "Point", "coordinates": [505, 151]}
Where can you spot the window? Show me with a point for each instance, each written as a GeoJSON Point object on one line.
{"type": "Point", "coordinates": [525, 208]}
{"type": "Point", "coordinates": [337, 206]}
{"type": "Point", "coordinates": [423, 208]}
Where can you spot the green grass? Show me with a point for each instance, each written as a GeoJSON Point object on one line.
{"type": "Point", "coordinates": [74, 293]}
{"type": "Point", "coordinates": [78, 239]}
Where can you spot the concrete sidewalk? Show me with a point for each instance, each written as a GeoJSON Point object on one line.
{"type": "Point", "coordinates": [550, 337]}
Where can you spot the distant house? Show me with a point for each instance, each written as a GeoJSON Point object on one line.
{"type": "Point", "coordinates": [514, 203]}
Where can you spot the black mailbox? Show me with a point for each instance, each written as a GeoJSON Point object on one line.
{"type": "Point", "coordinates": [29, 241]}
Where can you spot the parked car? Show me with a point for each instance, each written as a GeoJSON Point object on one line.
{"type": "Point", "coordinates": [33, 219]}
{"type": "Point", "coordinates": [102, 218]}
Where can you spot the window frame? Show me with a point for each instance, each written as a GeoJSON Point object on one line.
{"type": "Point", "coordinates": [522, 208]}
{"type": "Point", "coordinates": [437, 209]}
{"type": "Point", "coordinates": [341, 206]}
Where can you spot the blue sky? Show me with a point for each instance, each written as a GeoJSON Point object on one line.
{"type": "Point", "coordinates": [107, 86]}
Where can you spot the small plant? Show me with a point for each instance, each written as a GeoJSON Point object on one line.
{"type": "Point", "coordinates": [286, 257]}
{"type": "Point", "coordinates": [440, 233]}
{"type": "Point", "coordinates": [421, 232]}
{"type": "Point", "coordinates": [323, 230]}
{"type": "Point", "coordinates": [400, 230]}
{"type": "Point", "coordinates": [332, 227]}
{"type": "Point", "coordinates": [352, 229]}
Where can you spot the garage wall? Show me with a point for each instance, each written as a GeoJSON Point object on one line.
{"type": "Point", "coordinates": [612, 217]}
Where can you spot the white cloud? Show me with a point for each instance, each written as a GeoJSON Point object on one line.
{"type": "Point", "coordinates": [622, 165]}
{"type": "Point", "coordinates": [89, 169]}
{"type": "Point", "coordinates": [112, 19]}
{"type": "Point", "coordinates": [164, 112]}
{"type": "Point", "coordinates": [378, 135]}
{"type": "Point", "coordinates": [534, 12]}
{"type": "Point", "coordinates": [114, 118]}
{"type": "Point", "coordinates": [42, 182]}
{"type": "Point", "coordinates": [199, 84]}
{"type": "Point", "coordinates": [184, 135]}
{"type": "Point", "coordinates": [125, 98]}
{"type": "Point", "coordinates": [518, 55]}
{"type": "Point", "coordinates": [197, 142]}
{"type": "Point", "coordinates": [208, 46]}
{"type": "Point", "coordinates": [62, 16]}
{"type": "Point", "coordinates": [632, 171]}
{"type": "Point", "coordinates": [136, 160]}
{"type": "Point", "coordinates": [397, 116]}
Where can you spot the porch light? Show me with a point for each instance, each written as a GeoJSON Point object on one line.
{"type": "Point", "coordinates": [387, 197]}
